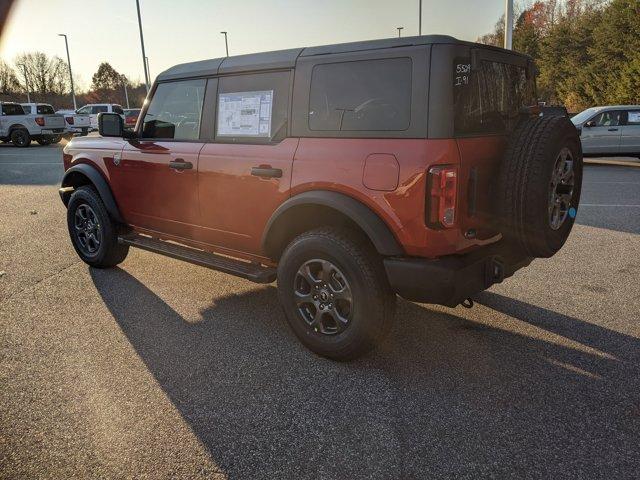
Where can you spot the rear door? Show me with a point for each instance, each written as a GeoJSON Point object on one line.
{"type": "Point", "coordinates": [156, 178]}
{"type": "Point", "coordinates": [630, 133]}
{"type": "Point", "coordinates": [604, 136]}
{"type": "Point", "coordinates": [244, 171]}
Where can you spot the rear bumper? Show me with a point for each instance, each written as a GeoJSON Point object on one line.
{"type": "Point", "coordinates": [451, 279]}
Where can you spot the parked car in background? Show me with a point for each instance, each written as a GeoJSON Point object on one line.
{"type": "Point", "coordinates": [610, 130]}
{"type": "Point", "coordinates": [76, 123]}
{"type": "Point", "coordinates": [21, 128]}
{"type": "Point", "coordinates": [131, 117]}
{"type": "Point", "coordinates": [93, 109]}
{"type": "Point", "coordinates": [351, 173]}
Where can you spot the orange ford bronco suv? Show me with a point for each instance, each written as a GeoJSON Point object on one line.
{"type": "Point", "coordinates": [350, 173]}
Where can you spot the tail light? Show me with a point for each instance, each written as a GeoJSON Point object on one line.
{"type": "Point", "coordinates": [69, 120]}
{"type": "Point", "coordinates": [40, 121]}
{"type": "Point", "coordinates": [442, 192]}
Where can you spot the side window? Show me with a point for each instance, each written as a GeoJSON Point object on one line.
{"type": "Point", "coordinates": [633, 117]}
{"type": "Point", "coordinates": [175, 111]}
{"type": "Point", "coordinates": [99, 109]}
{"type": "Point", "coordinates": [12, 109]}
{"type": "Point", "coordinates": [85, 110]}
{"type": "Point", "coordinates": [45, 109]}
{"type": "Point", "coordinates": [608, 119]}
{"type": "Point", "coordinates": [372, 95]}
{"type": "Point", "coordinates": [27, 109]}
{"type": "Point", "coordinates": [117, 109]}
{"type": "Point", "coordinates": [253, 108]}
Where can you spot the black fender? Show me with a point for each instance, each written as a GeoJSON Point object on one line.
{"type": "Point", "coordinates": [374, 227]}
{"type": "Point", "coordinates": [98, 182]}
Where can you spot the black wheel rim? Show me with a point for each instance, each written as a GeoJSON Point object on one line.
{"type": "Point", "coordinates": [88, 229]}
{"type": "Point", "coordinates": [561, 189]}
{"type": "Point", "coordinates": [20, 138]}
{"type": "Point", "coordinates": [323, 297]}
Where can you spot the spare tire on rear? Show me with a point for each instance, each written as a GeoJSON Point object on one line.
{"type": "Point", "coordinates": [539, 184]}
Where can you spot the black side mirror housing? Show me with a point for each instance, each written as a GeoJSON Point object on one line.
{"type": "Point", "coordinates": [590, 123]}
{"type": "Point", "coordinates": [110, 125]}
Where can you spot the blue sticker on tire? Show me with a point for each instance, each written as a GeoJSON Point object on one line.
{"type": "Point", "coordinates": [572, 212]}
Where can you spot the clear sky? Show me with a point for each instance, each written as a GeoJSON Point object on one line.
{"type": "Point", "coordinates": [178, 31]}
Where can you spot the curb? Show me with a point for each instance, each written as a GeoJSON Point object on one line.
{"type": "Point", "coordinates": [620, 163]}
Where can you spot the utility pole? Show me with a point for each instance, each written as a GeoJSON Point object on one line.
{"type": "Point", "coordinates": [508, 24]}
{"type": "Point", "coordinates": [144, 55]}
{"type": "Point", "coordinates": [420, 17]}
{"type": "Point", "coordinates": [399, 31]}
{"type": "Point", "coordinates": [73, 93]}
{"type": "Point", "coordinates": [26, 81]}
{"type": "Point", "coordinates": [226, 43]}
{"type": "Point", "coordinates": [126, 94]}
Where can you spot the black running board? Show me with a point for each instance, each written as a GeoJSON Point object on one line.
{"type": "Point", "coordinates": [251, 271]}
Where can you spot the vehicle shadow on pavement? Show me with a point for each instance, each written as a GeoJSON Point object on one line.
{"type": "Point", "coordinates": [444, 396]}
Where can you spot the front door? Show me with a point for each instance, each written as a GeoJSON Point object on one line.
{"type": "Point", "coordinates": [604, 136]}
{"type": "Point", "coordinates": [244, 172]}
{"type": "Point", "coordinates": [155, 180]}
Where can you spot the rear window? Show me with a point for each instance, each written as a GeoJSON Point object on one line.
{"type": "Point", "coordinates": [373, 95]}
{"type": "Point", "coordinates": [12, 109]}
{"type": "Point", "coordinates": [488, 99]}
{"type": "Point", "coordinates": [45, 109]}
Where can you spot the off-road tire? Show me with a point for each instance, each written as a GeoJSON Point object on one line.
{"type": "Point", "coordinates": [526, 177]}
{"type": "Point", "coordinates": [20, 137]}
{"type": "Point", "coordinates": [373, 302]}
{"type": "Point", "coordinates": [109, 253]}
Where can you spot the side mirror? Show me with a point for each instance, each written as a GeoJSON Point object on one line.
{"type": "Point", "coordinates": [590, 123]}
{"type": "Point", "coordinates": [110, 125]}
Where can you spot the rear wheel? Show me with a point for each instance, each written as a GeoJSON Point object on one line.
{"type": "Point", "coordinates": [20, 137]}
{"type": "Point", "coordinates": [93, 233]}
{"type": "Point", "coordinates": [44, 140]}
{"type": "Point", "coordinates": [335, 293]}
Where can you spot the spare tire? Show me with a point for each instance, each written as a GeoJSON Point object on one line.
{"type": "Point", "coordinates": [539, 184]}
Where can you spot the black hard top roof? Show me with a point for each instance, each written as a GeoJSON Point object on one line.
{"type": "Point", "coordinates": [287, 58]}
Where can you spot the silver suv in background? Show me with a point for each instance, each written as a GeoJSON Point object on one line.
{"type": "Point", "coordinates": [94, 109]}
{"type": "Point", "coordinates": [610, 131]}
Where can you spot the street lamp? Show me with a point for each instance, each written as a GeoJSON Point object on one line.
{"type": "Point", "coordinates": [26, 80]}
{"type": "Point", "coordinates": [226, 44]}
{"type": "Point", "coordinates": [399, 31]}
{"type": "Point", "coordinates": [144, 55]}
{"type": "Point", "coordinates": [73, 93]}
{"type": "Point", "coordinates": [508, 24]}
{"type": "Point", "coordinates": [146, 60]}
{"type": "Point", "coordinates": [420, 17]}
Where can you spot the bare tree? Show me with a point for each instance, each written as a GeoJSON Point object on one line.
{"type": "Point", "coordinates": [46, 75]}
{"type": "Point", "coordinates": [9, 83]}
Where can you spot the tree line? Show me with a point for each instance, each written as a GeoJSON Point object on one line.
{"type": "Point", "coordinates": [47, 80]}
{"type": "Point", "coordinates": [587, 51]}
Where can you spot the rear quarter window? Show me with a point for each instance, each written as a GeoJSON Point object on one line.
{"type": "Point", "coordinates": [488, 98]}
{"type": "Point", "coordinates": [365, 95]}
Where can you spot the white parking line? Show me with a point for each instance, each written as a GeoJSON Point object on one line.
{"type": "Point", "coordinates": [605, 205]}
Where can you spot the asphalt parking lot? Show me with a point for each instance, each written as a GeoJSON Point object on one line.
{"type": "Point", "coordinates": [163, 369]}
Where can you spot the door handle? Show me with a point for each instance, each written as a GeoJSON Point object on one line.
{"type": "Point", "coordinates": [266, 172]}
{"type": "Point", "coordinates": [613, 129]}
{"type": "Point", "coordinates": [180, 164]}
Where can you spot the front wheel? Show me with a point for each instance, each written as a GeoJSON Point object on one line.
{"type": "Point", "coordinates": [93, 233]}
{"type": "Point", "coordinates": [20, 137]}
{"type": "Point", "coordinates": [335, 293]}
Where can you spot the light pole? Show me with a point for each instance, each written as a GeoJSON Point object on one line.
{"type": "Point", "coordinates": [26, 80]}
{"type": "Point", "coordinates": [419, 17]}
{"type": "Point", "coordinates": [73, 93]}
{"type": "Point", "coordinates": [146, 60]}
{"type": "Point", "coordinates": [399, 31]}
{"type": "Point", "coordinates": [508, 24]}
{"type": "Point", "coordinates": [226, 43]}
{"type": "Point", "coordinates": [126, 94]}
{"type": "Point", "coordinates": [144, 55]}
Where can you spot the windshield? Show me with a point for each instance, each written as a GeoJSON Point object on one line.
{"type": "Point", "coordinates": [584, 116]}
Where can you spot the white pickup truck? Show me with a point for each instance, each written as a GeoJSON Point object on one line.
{"type": "Point", "coordinates": [20, 128]}
{"type": "Point", "coordinates": [94, 109]}
{"type": "Point", "coordinates": [76, 123]}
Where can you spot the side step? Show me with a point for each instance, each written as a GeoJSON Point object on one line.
{"type": "Point", "coordinates": [250, 271]}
